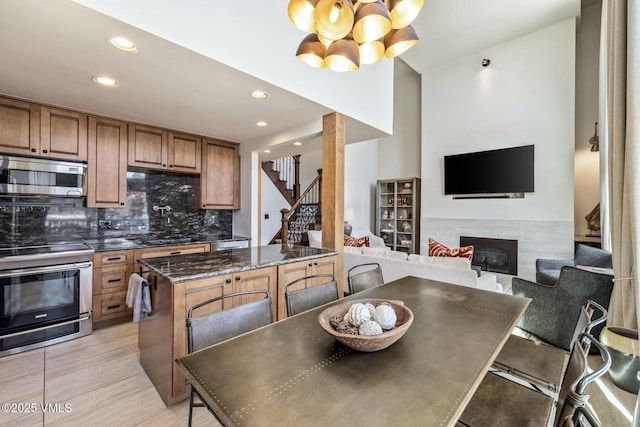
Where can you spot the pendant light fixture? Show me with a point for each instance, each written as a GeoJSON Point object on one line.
{"type": "Point", "coordinates": [346, 33]}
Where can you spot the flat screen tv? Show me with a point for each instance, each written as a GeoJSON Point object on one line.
{"type": "Point", "coordinates": [503, 171]}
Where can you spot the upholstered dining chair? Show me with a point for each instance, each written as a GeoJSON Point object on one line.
{"type": "Point", "coordinates": [209, 329]}
{"type": "Point", "coordinates": [364, 276]}
{"type": "Point", "coordinates": [554, 309]}
{"type": "Point", "coordinates": [540, 364]}
{"type": "Point", "coordinates": [499, 402]}
{"type": "Point", "coordinates": [303, 299]}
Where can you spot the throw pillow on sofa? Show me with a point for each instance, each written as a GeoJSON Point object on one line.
{"type": "Point", "coordinates": [438, 249]}
{"type": "Point", "coordinates": [356, 241]}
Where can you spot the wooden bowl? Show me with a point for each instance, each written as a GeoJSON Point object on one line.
{"type": "Point", "coordinates": [365, 342]}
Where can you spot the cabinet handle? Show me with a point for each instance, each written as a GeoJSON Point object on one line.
{"type": "Point", "coordinates": [310, 264]}
{"type": "Point", "coordinates": [315, 263]}
{"type": "Point", "coordinates": [121, 203]}
{"type": "Point", "coordinates": [237, 277]}
{"type": "Point", "coordinates": [33, 150]}
{"type": "Point", "coordinates": [109, 307]}
{"type": "Point", "coordinates": [227, 281]}
{"type": "Point", "coordinates": [113, 280]}
{"type": "Point", "coordinates": [170, 166]}
{"type": "Point", "coordinates": [117, 258]}
{"type": "Point", "coordinates": [176, 253]}
{"type": "Point", "coordinates": [45, 151]}
{"type": "Point", "coordinates": [164, 165]}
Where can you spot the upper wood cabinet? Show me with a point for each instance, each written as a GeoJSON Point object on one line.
{"type": "Point", "coordinates": [147, 147]}
{"type": "Point", "coordinates": [63, 134]}
{"type": "Point", "coordinates": [107, 163]}
{"type": "Point", "coordinates": [220, 176]}
{"type": "Point", "coordinates": [19, 127]}
{"type": "Point", "coordinates": [33, 130]}
{"type": "Point", "coordinates": [184, 153]}
{"type": "Point", "coordinates": [158, 149]}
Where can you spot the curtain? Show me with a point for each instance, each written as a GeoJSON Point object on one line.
{"type": "Point", "coordinates": [621, 54]}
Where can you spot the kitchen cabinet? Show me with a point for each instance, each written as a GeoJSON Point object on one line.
{"type": "Point", "coordinates": [398, 213]}
{"type": "Point", "coordinates": [171, 302]}
{"type": "Point", "coordinates": [63, 134]}
{"type": "Point", "coordinates": [287, 273]}
{"type": "Point", "coordinates": [147, 147]}
{"type": "Point", "coordinates": [33, 130]}
{"type": "Point", "coordinates": [184, 153]}
{"type": "Point", "coordinates": [220, 176]}
{"type": "Point", "coordinates": [158, 149]}
{"type": "Point", "coordinates": [107, 163]}
{"type": "Point", "coordinates": [111, 271]}
{"type": "Point", "coordinates": [19, 127]}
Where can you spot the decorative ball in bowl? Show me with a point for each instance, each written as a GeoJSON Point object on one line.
{"type": "Point", "coordinates": [367, 324]}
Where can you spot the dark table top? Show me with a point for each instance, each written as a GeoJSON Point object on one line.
{"type": "Point", "coordinates": [181, 268]}
{"type": "Point", "coordinates": [293, 373]}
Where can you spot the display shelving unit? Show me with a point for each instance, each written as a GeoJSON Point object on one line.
{"type": "Point", "coordinates": [398, 213]}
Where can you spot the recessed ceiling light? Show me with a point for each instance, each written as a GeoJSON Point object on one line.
{"type": "Point", "coordinates": [123, 44]}
{"type": "Point", "coordinates": [259, 94]}
{"type": "Point", "coordinates": [267, 151]}
{"type": "Point", "coordinates": [261, 124]}
{"type": "Point", "coordinates": [105, 81]}
{"type": "Point", "coordinates": [297, 143]}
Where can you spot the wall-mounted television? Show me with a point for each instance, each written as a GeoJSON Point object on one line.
{"type": "Point", "coordinates": [493, 172]}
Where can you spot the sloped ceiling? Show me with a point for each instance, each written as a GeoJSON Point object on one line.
{"type": "Point", "coordinates": [182, 79]}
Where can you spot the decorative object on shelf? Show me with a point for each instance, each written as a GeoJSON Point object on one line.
{"type": "Point", "coordinates": [594, 140]}
{"type": "Point", "coordinates": [593, 221]}
{"type": "Point", "coordinates": [347, 228]}
{"type": "Point", "coordinates": [343, 36]}
{"type": "Point", "coordinates": [406, 227]}
{"type": "Point", "coordinates": [622, 344]}
{"type": "Point", "coordinates": [385, 214]}
{"type": "Point", "coordinates": [407, 186]}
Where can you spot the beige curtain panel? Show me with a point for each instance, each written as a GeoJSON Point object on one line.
{"type": "Point", "coordinates": [620, 57]}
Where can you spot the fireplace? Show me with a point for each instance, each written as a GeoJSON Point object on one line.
{"type": "Point", "coordinates": [496, 255]}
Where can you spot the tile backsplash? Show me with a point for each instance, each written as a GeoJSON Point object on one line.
{"type": "Point", "coordinates": [172, 195]}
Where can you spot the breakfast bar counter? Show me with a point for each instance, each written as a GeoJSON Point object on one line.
{"type": "Point", "coordinates": [179, 282]}
{"type": "Point", "coordinates": [179, 269]}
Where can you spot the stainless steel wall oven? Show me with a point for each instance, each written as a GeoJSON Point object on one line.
{"type": "Point", "coordinates": [46, 295]}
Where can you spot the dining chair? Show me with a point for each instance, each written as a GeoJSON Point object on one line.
{"type": "Point", "coordinates": [364, 276]}
{"type": "Point", "coordinates": [209, 329]}
{"type": "Point", "coordinates": [499, 402]}
{"type": "Point", "coordinates": [310, 296]}
{"type": "Point", "coordinates": [541, 364]}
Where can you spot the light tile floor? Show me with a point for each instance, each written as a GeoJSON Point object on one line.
{"type": "Point", "coordinates": [95, 380]}
{"type": "Point", "coordinates": [101, 382]}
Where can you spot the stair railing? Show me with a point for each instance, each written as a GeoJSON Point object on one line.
{"type": "Point", "coordinates": [311, 196]}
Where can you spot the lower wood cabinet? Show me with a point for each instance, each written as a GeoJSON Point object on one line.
{"type": "Point", "coordinates": [287, 273]}
{"type": "Point", "coordinates": [111, 271]}
{"type": "Point", "coordinates": [162, 337]}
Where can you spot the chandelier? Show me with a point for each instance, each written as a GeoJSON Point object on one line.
{"type": "Point", "coordinates": [344, 34]}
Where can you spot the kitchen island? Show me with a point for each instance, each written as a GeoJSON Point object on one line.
{"type": "Point", "coordinates": [180, 282]}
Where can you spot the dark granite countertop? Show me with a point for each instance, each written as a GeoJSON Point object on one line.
{"type": "Point", "coordinates": [102, 243]}
{"type": "Point", "coordinates": [181, 268]}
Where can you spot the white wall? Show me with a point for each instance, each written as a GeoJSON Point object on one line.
{"type": "Point", "coordinates": [360, 176]}
{"type": "Point", "coordinates": [587, 163]}
{"type": "Point", "coordinates": [399, 154]}
{"type": "Point", "coordinates": [526, 96]}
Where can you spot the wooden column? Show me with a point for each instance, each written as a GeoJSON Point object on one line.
{"type": "Point", "coordinates": [333, 141]}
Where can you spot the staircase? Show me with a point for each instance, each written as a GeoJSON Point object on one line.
{"type": "Point", "coordinates": [305, 212]}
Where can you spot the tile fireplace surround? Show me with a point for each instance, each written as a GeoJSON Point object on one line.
{"type": "Point", "coordinates": [536, 239]}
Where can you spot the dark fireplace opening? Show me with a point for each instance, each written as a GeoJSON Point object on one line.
{"type": "Point", "coordinates": [496, 255]}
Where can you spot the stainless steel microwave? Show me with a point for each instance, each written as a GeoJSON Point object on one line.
{"type": "Point", "coordinates": [29, 176]}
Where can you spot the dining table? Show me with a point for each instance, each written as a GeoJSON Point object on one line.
{"type": "Point", "coordinates": [293, 373]}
